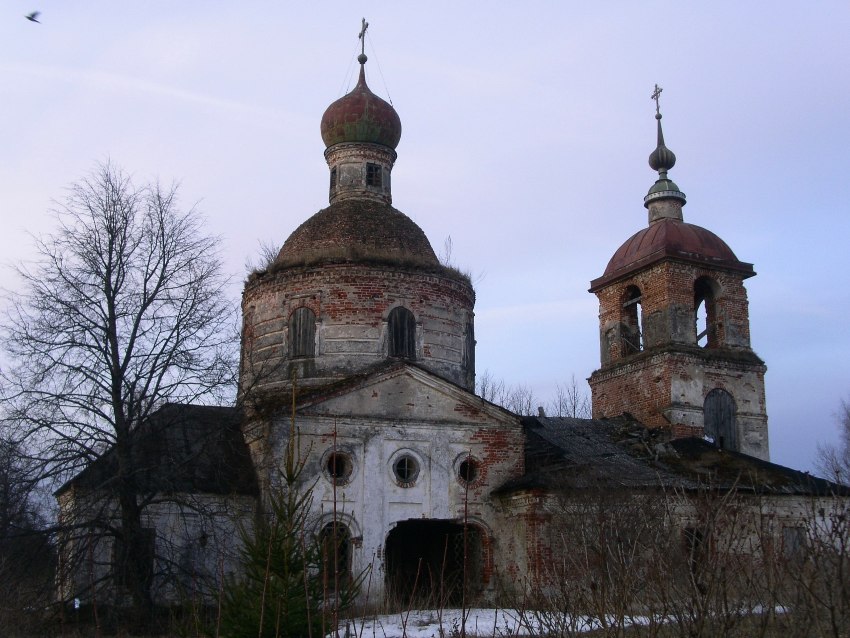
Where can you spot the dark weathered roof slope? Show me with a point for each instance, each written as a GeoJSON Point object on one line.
{"type": "Point", "coordinates": [564, 454]}
{"type": "Point", "coordinates": [181, 448]}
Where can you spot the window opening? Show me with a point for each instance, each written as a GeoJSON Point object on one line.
{"type": "Point", "coordinates": [469, 346]}
{"type": "Point", "coordinates": [335, 545]}
{"type": "Point", "coordinates": [339, 467]}
{"type": "Point", "coordinates": [402, 333]}
{"type": "Point", "coordinates": [702, 324]}
{"type": "Point", "coordinates": [333, 178]}
{"type": "Point", "coordinates": [406, 470]}
{"type": "Point", "coordinates": [467, 470]}
{"type": "Point", "coordinates": [695, 548]}
{"type": "Point", "coordinates": [632, 329]}
{"type": "Point", "coordinates": [705, 312]}
{"type": "Point", "coordinates": [374, 175]}
{"type": "Point", "coordinates": [302, 333]}
{"type": "Point", "coordinates": [793, 541]}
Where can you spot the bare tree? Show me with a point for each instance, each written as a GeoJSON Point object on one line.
{"type": "Point", "coordinates": [123, 310]}
{"type": "Point", "coordinates": [571, 400]}
{"type": "Point", "coordinates": [834, 460]}
{"type": "Point", "coordinates": [518, 398]}
{"type": "Point", "coordinates": [489, 388]}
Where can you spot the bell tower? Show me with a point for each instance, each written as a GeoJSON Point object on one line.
{"type": "Point", "coordinates": [674, 327]}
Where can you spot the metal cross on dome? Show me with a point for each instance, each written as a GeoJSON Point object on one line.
{"type": "Point", "coordinates": [655, 95]}
{"type": "Point", "coordinates": [362, 36]}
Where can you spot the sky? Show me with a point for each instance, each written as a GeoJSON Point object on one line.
{"type": "Point", "coordinates": [526, 132]}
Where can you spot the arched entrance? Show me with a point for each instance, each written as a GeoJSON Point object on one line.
{"type": "Point", "coordinates": [425, 562]}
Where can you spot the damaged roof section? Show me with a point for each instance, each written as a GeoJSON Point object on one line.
{"type": "Point", "coordinates": [566, 454]}
{"type": "Point", "coordinates": [181, 448]}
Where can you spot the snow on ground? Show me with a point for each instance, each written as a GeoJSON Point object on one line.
{"type": "Point", "coordinates": [483, 623]}
{"type": "Point", "coordinates": [445, 623]}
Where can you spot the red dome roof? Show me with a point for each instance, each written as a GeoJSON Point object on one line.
{"type": "Point", "coordinates": [361, 116]}
{"type": "Point", "coordinates": [670, 238]}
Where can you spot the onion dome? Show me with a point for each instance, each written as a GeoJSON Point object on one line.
{"type": "Point", "coordinates": [662, 159]}
{"type": "Point", "coordinates": [361, 116]}
{"type": "Point", "coordinates": [358, 230]}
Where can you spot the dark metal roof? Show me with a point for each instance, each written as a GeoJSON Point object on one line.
{"type": "Point", "coordinates": [181, 448]}
{"type": "Point", "coordinates": [566, 454]}
{"type": "Point", "coordinates": [361, 116]}
{"type": "Point", "coordinates": [670, 238]}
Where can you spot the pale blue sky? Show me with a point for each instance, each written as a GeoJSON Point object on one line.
{"type": "Point", "coordinates": [526, 129]}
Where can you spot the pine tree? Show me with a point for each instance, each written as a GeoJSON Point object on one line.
{"type": "Point", "coordinates": [283, 590]}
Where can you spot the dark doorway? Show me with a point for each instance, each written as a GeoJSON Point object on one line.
{"type": "Point", "coordinates": [719, 419]}
{"type": "Point", "coordinates": [425, 562]}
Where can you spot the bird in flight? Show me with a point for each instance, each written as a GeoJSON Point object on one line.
{"type": "Point", "coordinates": [33, 17]}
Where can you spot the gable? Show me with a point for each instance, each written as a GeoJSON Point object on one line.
{"type": "Point", "coordinates": [408, 394]}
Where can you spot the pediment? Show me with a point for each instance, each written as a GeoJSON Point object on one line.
{"type": "Point", "coordinates": [407, 393]}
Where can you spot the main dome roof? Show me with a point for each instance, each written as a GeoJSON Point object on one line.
{"type": "Point", "coordinates": [358, 230]}
{"type": "Point", "coordinates": [361, 116]}
{"type": "Point", "coordinates": [670, 238]}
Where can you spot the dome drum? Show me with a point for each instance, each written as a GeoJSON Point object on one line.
{"type": "Point", "coordinates": [360, 170]}
{"type": "Point", "coordinates": [352, 304]}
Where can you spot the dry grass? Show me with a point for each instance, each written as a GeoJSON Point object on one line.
{"type": "Point", "coordinates": [352, 256]}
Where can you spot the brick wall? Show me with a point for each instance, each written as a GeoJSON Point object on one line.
{"type": "Point", "coordinates": [351, 304]}
{"type": "Point", "coordinates": [666, 383]}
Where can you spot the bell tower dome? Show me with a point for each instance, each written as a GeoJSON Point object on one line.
{"type": "Point", "coordinates": [674, 327]}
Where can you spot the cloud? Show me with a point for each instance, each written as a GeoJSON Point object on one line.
{"type": "Point", "coordinates": [122, 83]}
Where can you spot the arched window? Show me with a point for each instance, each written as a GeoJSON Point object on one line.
{"type": "Point", "coordinates": [335, 548]}
{"type": "Point", "coordinates": [705, 312]}
{"type": "Point", "coordinates": [469, 347]}
{"type": "Point", "coordinates": [719, 419]}
{"type": "Point", "coordinates": [402, 333]}
{"type": "Point", "coordinates": [631, 330]}
{"type": "Point", "coordinates": [302, 333]}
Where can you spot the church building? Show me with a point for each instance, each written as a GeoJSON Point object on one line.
{"type": "Point", "coordinates": [359, 343]}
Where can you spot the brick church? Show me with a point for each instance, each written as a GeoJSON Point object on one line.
{"type": "Point", "coordinates": [362, 339]}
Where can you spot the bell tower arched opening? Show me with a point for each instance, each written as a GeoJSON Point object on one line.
{"type": "Point", "coordinates": [631, 321]}
{"type": "Point", "coordinates": [706, 292]}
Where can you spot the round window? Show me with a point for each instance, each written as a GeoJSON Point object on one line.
{"type": "Point", "coordinates": [406, 469]}
{"type": "Point", "coordinates": [467, 470]}
{"type": "Point", "coordinates": [338, 467]}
